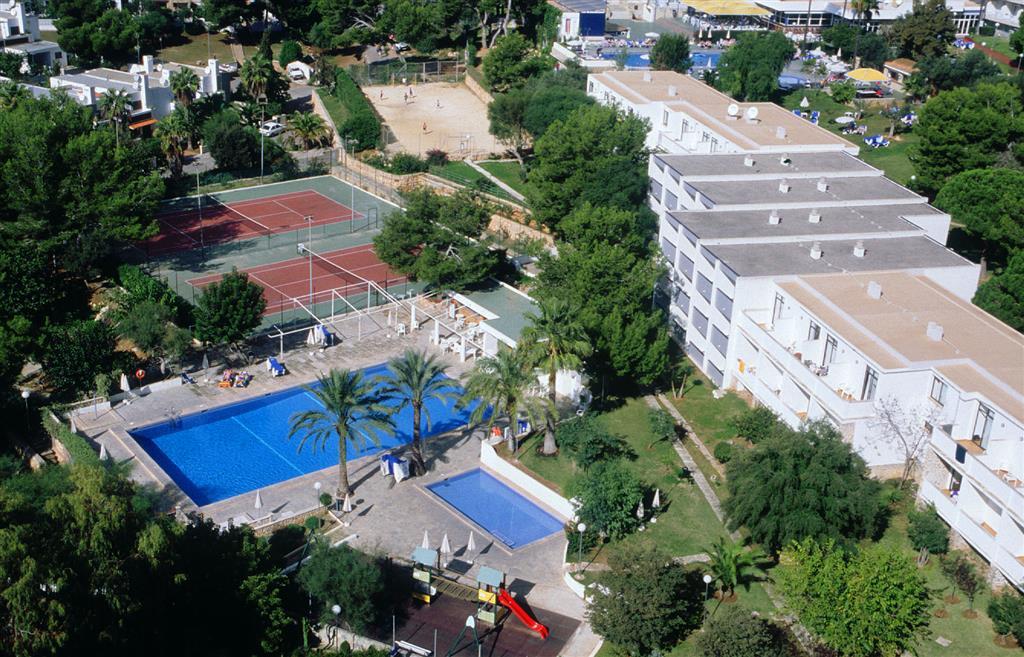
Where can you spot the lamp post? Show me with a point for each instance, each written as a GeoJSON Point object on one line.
{"type": "Point", "coordinates": [317, 486]}
{"type": "Point", "coordinates": [25, 394]}
{"type": "Point", "coordinates": [336, 610]}
{"type": "Point", "coordinates": [581, 527]}
{"type": "Point", "coordinates": [309, 249]}
{"type": "Point", "coordinates": [262, 100]}
{"type": "Point", "coordinates": [707, 583]}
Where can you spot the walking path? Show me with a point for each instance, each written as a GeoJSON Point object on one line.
{"type": "Point", "coordinates": [998, 56]}
{"type": "Point", "coordinates": [494, 179]}
{"type": "Point", "coordinates": [803, 636]}
{"type": "Point", "coordinates": [237, 52]}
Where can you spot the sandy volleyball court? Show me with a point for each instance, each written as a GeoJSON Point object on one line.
{"type": "Point", "coordinates": [437, 115]}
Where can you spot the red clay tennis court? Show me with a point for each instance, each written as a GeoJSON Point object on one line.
{"type": "Point", "coordinates": [212, 222]}
{"type": "Point", "coordinates": [283, 282]}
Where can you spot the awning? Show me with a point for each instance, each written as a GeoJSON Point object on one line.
{"type": "Point", "coordinates": [866, 75]}
{"type": "Point", "coordinates": [141, 124]}
{"type": "Point", "coordinates": [728, 8]}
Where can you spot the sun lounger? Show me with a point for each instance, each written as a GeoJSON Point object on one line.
{"type": "Point", "coordinates": [275, 368]}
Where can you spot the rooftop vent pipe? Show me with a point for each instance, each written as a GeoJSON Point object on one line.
{"type": "Point", "coordinates": [875, 290]}
{"type": "Point", "coordinates": [816, 251]}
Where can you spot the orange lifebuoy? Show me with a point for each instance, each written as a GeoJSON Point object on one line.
{"type": "Point", "coordinates": [140, 374]}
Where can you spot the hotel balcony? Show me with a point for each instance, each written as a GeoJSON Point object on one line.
{"type": "Point", "coordinates": [989, 476]}
{"type": "Point", "coordinates": [829, 387]}
{"type": "Point", "coordinates": [1004, 552]}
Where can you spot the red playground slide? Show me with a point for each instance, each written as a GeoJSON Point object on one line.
{"type": "Point", "coordinates": [526, 619]}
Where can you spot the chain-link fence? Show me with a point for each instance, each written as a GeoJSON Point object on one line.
{"type": "Point", "coordinates": [408, 71]}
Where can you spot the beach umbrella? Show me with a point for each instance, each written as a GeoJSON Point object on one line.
{"type": "Point", "coordinates": [656, 503]}
{"type": "Point", "coordinates": [125, 385]}
{"type": "Point", "coordinates": [471, 543]}
{"type": "Point", "coordinates": [805, 103]}
{"type": "Point", "coordinates": [259, 500]}
{"type": "Point", "coordinates": [839, 53]}
{"type": "Point", "coordinates": [346, 506]}
{"type": "Point", "coordinates": [426, 540]}
{"type": "Point", "coordinates": [446, 547]}
{"type": "Point", "coordinates": [103, 452]}
{"type": "Point", "coordinates": [640, 510]}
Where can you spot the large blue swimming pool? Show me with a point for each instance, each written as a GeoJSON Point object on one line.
{"type": "Point", "coordinates": [507, 515]}
{"type": "Point", "coordinates": [238, 448]}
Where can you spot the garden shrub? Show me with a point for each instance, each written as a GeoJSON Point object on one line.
{"type": "Point", "coordinates": [609, 495]}
{"type": "Point", "coordinates": [436, 157]}
{"type": "Point", "coordinates": [928, 531]}
{"type": "Point", "coordinates": [723, 452]}
{"type": "Point", "coordinates": [755, 424]}
{"type": "Point", "coordinates": [76, 445]}
{"type": "Point", "coordinates": [405, 163]}
{"type": "Point", "coordinates": [362, 127]}
{"type": "Point", "coordinates": [1007, 613]}
{"type": "Point", "coordinates": [291, 51]}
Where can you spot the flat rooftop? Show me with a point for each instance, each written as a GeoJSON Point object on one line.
{"type": "Point", "coordinates": [88, 80]}
{"type": "Point", "coordinates": [710, 106]}
{"type": "Point", "coordinates": [886, 254]}
{"type": "Point", "coordinates": [977, 352]}
{"type": "Point", "coordinates": [800, 164]}
{"type": "Point", "coordinates": [804, 191]}
{"type": "Point", "coordinates": [509, 305]}
{"type": "Point", "coordinates": [835, 220]}
{"type": "Point", "coordinates": [33, 47]}
{"type": "Point", "coordinates": [581, 6]}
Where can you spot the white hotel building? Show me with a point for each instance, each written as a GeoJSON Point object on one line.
{"type": "Point", "coordinates": [802, 275]}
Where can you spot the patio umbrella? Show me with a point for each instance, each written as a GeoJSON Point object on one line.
{"type": "Point", "coordinates": [471, 543]}
{"type": "Point", "coordinates": [866, 75]}
{"type": "Point", "coordinates": [74, 427]}
{"type": "Point", "coordinates": [206, 362]}
{"type": "Point", "coordinates": [125, 385]}
{"type": "Point", "coordinates": [805, 103]}
{"type": "Point", "coordinates": [346, 506]}
{"type": "Point", "coordinates": [426, 540]}
{"type": "Point", "coordinates": [640, 510]}
{"type": "Point", "coordinates": [728, 34]}
{"type": "Point", "coordinates": [259, 500]}
{"type": "Point", "coordinates": [656, 502]}
{"type": "Point", "coordinates": [446, 547]}
{"type": "Point", "coordinates": [839, 53]}
{"type": "Point", "coordinates": [103, 452]}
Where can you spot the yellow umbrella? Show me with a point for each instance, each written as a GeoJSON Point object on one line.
{"type": "Point", "coordinates": [866, 75]}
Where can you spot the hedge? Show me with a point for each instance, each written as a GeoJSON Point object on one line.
{"type": "Point", "coordinates": [362, 123]}
{"type": "Point", "coordinates": [77, 446]}
{"type": "Point", "coordinates": [141, 287]}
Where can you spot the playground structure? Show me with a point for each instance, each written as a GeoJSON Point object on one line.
{"type": "Point", "coordinates": [493, 600]}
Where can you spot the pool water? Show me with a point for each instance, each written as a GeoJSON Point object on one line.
{"type": "Point", "coordinates": [701, 59]}
{"type": "Point", "coordinates": [504, 513]}
{"type": "Point", "coordinates": [241, 447]}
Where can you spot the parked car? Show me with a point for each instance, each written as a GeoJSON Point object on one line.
{"type": "Point", "coordinates": [271, 129]}
{"type": "Point", "coordinates": [401, 46]}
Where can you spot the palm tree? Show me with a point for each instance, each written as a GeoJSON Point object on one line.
{"type": "Point", "coordinates": [862, 9]}
{"type": "Point", "coordinates": [503, 385]}
{"type": "Point", "coordinates": [414, 379]}
{"type": "Point", "coordinates": [351, 410]}
{"type": "Point", "coordinates": [732, 566]}
{"type": "Point", "coordinates": [11, 93]}
{"type": "Point", "coordinates": [115, 105]}
{"type": "Point", "coordinates": [556, 341]}
{"type": "Point", "coordinates": [256, 73]}
{"type": "Point", "coordinates": [184, 84]}
{"type": "Point", "coordinates": [309, 128]}
{"type": "Point", "coordinates": [173, 133]}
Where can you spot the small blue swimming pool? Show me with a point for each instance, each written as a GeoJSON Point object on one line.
{"type": "Point", "coordinates": [504, 513]}
{"type": "Point", "coordinates": [241, 447]}
{"type": "Point", "coordinates": [701, 59]}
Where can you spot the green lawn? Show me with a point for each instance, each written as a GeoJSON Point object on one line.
{"type": "Point", "coordinates": [335, 108]}
{"type": "Point", "coordinates": [708, 416]}
{"type": "Point", "coordinates": [894, 160]}
{"type": "Point", "coordinates": [1000, 44]}
{"type": "Point", "coordinates": [193, 50]}
{"type": "Point", "coordinates": [463, 174]}
{"type": "Point", "coordinates": [509, 173]}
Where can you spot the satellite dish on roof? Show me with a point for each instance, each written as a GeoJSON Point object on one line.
{"type": "Point", "coordinates": [733, 109]}
{"type": "Point", "coordinates": [751, 113]}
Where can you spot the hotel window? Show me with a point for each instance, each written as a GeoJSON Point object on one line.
{"type": "Point", "coordinates": [830, 350]}
{"type": "Point", "coordinates": [777, 308]}
{"type": "Point", "coordinates": [870, 385]}
{"type": "Point", "coordinates": [705, 136]}
{"type": "Point", "coordinates": [983, 426]}
{"type": "Point", "coordinates": [664, 117]}
{"type": "Point", "coordinates": [814, 331]}
{"type": "Point", "coordinates": [714, 145]}
{"type": "Point", "coordinates": [684, 127]}
{"type": "Point", "coordinates": [938, 393]}
{"type": "Point", "coordinates": [590, 86]}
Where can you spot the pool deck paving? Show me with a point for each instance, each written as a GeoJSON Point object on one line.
{"type": "Point", "coordinates": [386, 517]}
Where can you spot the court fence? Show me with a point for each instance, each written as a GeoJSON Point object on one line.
{"type": "Point", "coordinates": [408, 71]}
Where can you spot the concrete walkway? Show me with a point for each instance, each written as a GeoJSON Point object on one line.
{"type": "Point", "coordinates": [494, 179]}
{"type": "Point", "coordinates": [237, 52]}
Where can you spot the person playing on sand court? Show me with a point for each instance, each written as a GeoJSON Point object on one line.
{"type": "Point", "coordinates": [405, 98]}
{"type": "Point", "coordinates": [382, 94]}
{"type": "Point", "coordinates": [437, 103]}
{"type": "Point", "coordinates": [424, 126]}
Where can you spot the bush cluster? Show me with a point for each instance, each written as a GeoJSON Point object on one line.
{"type": "Point", "coordinates": [362, 127]}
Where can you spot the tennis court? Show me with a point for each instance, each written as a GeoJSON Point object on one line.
{"type": "Point", "coordinates": [342, 272]}
{"type": "Point", "coordinates": [204, 220]}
